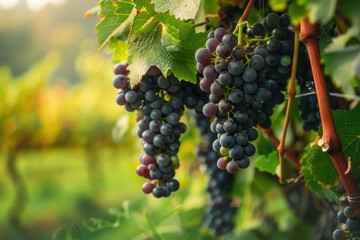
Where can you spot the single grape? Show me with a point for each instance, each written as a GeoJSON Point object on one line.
{"type": "Point", "coordinates": [210, 109]}
{"type": "Point", "coordinates": [232, 167]}
{"type": "Point", "coordinates": [227, 140]}
{"type": "Point", "coordinates": [257, 62]}
{"type": "Point", "coordinates": [212, 43]}
{"type": "Point", "coordinates": [272, 19]}
{"type": "Point", "coordinates": [249, 75]}
{"type": "Point", "coordinates": [219, 33]}
{"type": "Point", "coordinates": [225, 78]}
{"type": "Point", "coordinates": [230, 39]}
{"type": "Point", "coordinates": [147, 188]}
{"type": "Point", "coordinates": [236, 67]}
{"type": "Point", "coordinates": [236, 96]}
{"type": "Point", "coordinates": [223, 50]}
{"type": "Point", "coordinates": [203, 56]}
{"type": "Point", "coordinates": [339, 234]}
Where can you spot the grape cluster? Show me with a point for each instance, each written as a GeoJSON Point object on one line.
{"type": "Point", "coordinates": [350, 228]}
{"type": "Point", "coordinates": [279, 59]}
{"type": "Point", "coordinates": [159, 105]}
{"type": "Point", "coordinates": [219, 213]}
{"type": "Point", "coordinates": [244, 84]}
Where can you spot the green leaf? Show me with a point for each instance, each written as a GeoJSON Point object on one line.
{"type": "Point", "coordinates": [268, 163]}
{"type": "Point", "coordinates": [321, 10]}
{"type": "Point", "coordinates": [296, 12]}
{"type": "Point", "coordinates": [341, 64]}
{"type": "Point", "coordinates": [161, 40]}
{"type": "Point", "coordinates": [152, 227]}
{"type": "Point", "coordinates": [320, 174]}
{"type": "Point", "coordinates": [278, 5]}
{"type": "Point", "coordinates": [182, 9]}
{"type": "Point", "coordinates": [120, 50]}
{"type": "Point", "coordinates": [347, 125]}
{"type": "Point", "coordinates": [116, 19]}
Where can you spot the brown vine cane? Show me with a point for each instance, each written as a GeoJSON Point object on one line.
{"type": "Point", "coordinates": [329, 142]}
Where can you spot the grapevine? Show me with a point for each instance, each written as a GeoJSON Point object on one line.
{"type": "Point", "coordinates": [241, 77]}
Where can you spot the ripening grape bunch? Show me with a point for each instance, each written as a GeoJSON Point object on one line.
{"type": "Point", "coordinates": [350, 225]}
{"type": "Point", "coordinates": [244, 84]}
{"type": "Point", "coordinates": [159, 103]}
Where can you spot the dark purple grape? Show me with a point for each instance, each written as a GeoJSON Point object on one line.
{"type": "Point", "coordinates": [249, 75]}
{"type": "Point", "coordinates": [227, 140]}
{"type": "Point", "coordinates": [238, 53]}
{"type": "Point", "coordinates": [273, 45]}
{"type": "Point", "coordinates": [173, 185]}
{"type": "Point", "coordinates": [210, 109]}
{"type": "Point", "coordinates": [163, 82]}
{"type": "Point", "coordinates": [223, 50]}
{"type": "Point", "coordinates": [252, 134]}
{"type": "Point", "coordinates": [230, 39]}
{"type": "Point", "coordinates": [205, 85]}
{"type": "Point", "coordinates": [131, 96]}
{"type": "Point", "coordinates": [272, 19]}
{"type": "Point", "coordinates": [225, 105]}
{"type": "Point", "coordinates": [203, 56]}
{"type": "Point", "coordinates": [210, 73]}
{"type": "Point", "coordinates": [120, 68]}
{"type": "Point", "coordinates": [120, 99]}
{"type": "Point", "coordinates": [120, 81]}
{"type": "Point", "coordinates": [225, 78]}
{"type": "Point", "coordinates": [257, 62]}
{"type": "Point", "coordinates": [173, 118]}
{"type": "Point", "coordinates": [230, 126]}
{"type": "Point", "coordinates": [339, 234]}
{"type": "Point", "coordinates": [211, 44]}
{"type": "Point", "coordinates": [217, 89]}
{"type": "Point", "coordinates": [249, 149]}
{"type": "Point", "coordinates": [236, 67]}
{"type": "Point", "coordinates": [258, 30]}
{"type": "Point", "coordinates": [250, 88]}
{"type": "Point", "coordinates": [262, 51]}
{"type": "Point", "coordinates": [241, 139]}
{"type": "Point", "coordinates": [219, 33]}
{"type": "Point", "coordinates": [221, 66]}
{"type": "Point", "coordinates": [236, 152]}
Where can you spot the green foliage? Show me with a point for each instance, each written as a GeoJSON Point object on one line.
{"type": "Point", "coordinates": [348, 128]}
{"type": "Point", "coordinates": [319, 173]}
{"type": "Point", "coordinates": [268, 163]}
{"type": "Point", "coordinates": [153, 38]}
{"type": "Point", "coordinates": [182, 9]}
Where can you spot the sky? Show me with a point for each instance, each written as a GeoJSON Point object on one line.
{"type": "Point", "coordinates": [32, 4]}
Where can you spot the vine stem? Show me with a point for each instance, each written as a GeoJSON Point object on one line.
{"type": "Point", "coordinates": [292, 157]}
{"type": "Point", "coordinates": [246, 12]}
{"type": "Point", "coordinates": [329, 142]}
{"type": "Point", "coordinates": [291, 94]}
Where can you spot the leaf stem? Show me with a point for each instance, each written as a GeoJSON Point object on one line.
{"type": "Point", "coordinates": [291, 94]}
{"type": "Point", "coordinates": [329, 141]}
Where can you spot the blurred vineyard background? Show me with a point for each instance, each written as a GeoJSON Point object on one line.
{"type": "Point", "coordinates": [68, 152]}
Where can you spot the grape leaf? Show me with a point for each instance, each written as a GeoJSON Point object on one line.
{"type": "Point", "coordinates": [116, 18]}
{"type": "Point", "coordinates": [182, 9]}
{"type": "Point", "coordinates": [347, 125]}
{"type": "Point", "coordinates": [319, 172]}
{"type": "Point", "coordinates": [321, 11]}
{"type": "Point", "coordinates": [164, 41]}
{"type": "Point", "coordinates": [268, 163]}
{"type": "Point", "coordinates": [278, 5]}
{"type": "Point", "coordinates": [296, 12]}
{"type": "Point", "coordinates": [341, 64]}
